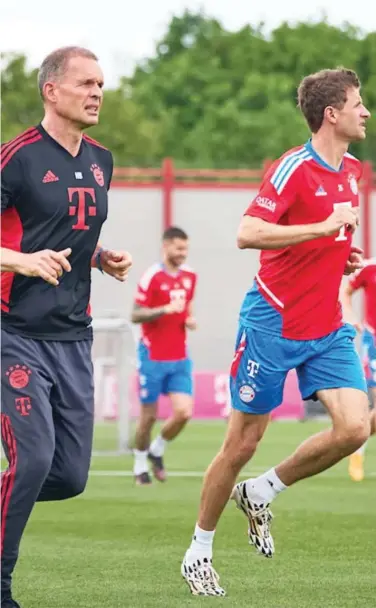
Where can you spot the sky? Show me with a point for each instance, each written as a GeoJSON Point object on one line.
{"type": "Point", "coordinates": [124, 32]}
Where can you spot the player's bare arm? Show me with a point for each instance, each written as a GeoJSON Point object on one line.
{"type": "Point", "coordinates": [349, 315]}
{"type": "Point", "coordinates": [47, 264]}
{"type": "Point", "coordinates": [255, 233]}
{"type": "Point", "coordinates": [143, 314]}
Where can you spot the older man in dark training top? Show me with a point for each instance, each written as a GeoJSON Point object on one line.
{"type": "Point", "coordinates": [54, 202]}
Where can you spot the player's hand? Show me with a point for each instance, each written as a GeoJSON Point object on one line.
{"type": "Point", "coordinates": [341, 216]}
{"type": "Point", "coordinates": [355, 261]}
{"type": "Point", "coordinates": [47, 264]}
{"type": "Point", "coordinates": [117, 264]}
{"type": "Point", "coordinates": [191, 323]}
{"type": "Point", "coordinates": [175, 306]}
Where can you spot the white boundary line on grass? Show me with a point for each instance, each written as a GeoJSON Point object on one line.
{"type": "Point", "coordinates": [193, 474]}
{"type": "Point", "coordinates": [97, 473]}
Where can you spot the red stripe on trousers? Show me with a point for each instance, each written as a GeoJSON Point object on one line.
{"type": "Point", "coordinates": [10, 472]}
{"type": "Point", "coordinates": [4, 474]}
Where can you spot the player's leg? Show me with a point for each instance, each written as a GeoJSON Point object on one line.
{"type": "Point", "coordinates": [373, 413]}
{"type": "Point", "coordinates": [28, 441]}
{"type": "Point", "coordinates": [243, 434]}
{"type": "Point", "coordinates": [72, 400]}
{"type": "Point", "coordinates": [356, 460]}
{"type": "Point", "coordinates": [334, 373]}
{"type": "Point", "coordinates": [145, 423]}
{"type": "Point", "coordinates": [256, 388]}
{"type": "Point", "coordinates": [178, 386]}
{"type": "Point", "coordinates": [151, 375]}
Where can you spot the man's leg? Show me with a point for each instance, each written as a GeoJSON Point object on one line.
{"type": "Point", "coordinates": [145, 423]}
{"type": "Point", "coordinates": [244, 432]}
{"type": "Point", "coordinates": [335, 363]}
{"type": "Point", "coordinates": [179, 387]}
{"type": "Point", "coordinates": [28, 440]}
{"type": "Point", "coordinates": [356, 460]}
{"type": "Point", "coordinates": [151, 377]}
{"type": "Point", "coordinates": [72, 400]}
{"type": "Point", "coordinates": [256, 388]}
{"type": "Point", "coordinates": [348, 409]}
{"type": "Point", "coordinates": [373, 415]}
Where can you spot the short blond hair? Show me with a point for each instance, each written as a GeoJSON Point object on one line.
{"type": "Point", "coordinates": [55, 64]}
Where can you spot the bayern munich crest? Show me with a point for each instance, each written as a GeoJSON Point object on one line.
{"type": "Point", "coordinates": [18, 376]}
{"type": "Point", "coordinates": [353, 184]}
{"type": "Point", "coordinates": [246, 393]}
{"type": "Point", "coordinates": [98, 174]}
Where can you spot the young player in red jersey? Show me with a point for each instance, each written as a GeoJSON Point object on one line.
{"type": "Point", "coordinates": [302, 220]}
{"type": "Point", "coordinates": [364, 279]}
{"type": "Point", "coordinates": [54, 183]}
{"type": "Point", "coordinates": [163, 306]}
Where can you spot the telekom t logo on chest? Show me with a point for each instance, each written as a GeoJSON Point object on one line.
{"type": "Point", "coordinates": [83, 200]}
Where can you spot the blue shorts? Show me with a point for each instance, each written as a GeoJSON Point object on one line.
{"type": "Point", "coordinates": [162, 377]}
{"type": "Point", "coordinates": [369, 357]}
{"type": "Point", "coordinates": [262, 361]}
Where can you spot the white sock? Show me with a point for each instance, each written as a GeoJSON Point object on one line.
{"type": "Point", "coordinates": [140, 462]}
{"type": "Point", "coordinates": [362, 449]}
{"type": "Point", "coordinates": [158, 445]}
{"type": "Point", "coordinates": [265, 487]}
{"type": "Point", "coordinates": [201, 545]}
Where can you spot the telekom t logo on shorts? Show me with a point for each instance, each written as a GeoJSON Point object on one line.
{"type": "Point", "coordinates": [83, 200]}
{"type": "Point", "coordinates": [252, 368]}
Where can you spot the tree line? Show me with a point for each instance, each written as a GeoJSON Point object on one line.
{"type": "Point", "coordinates": [210, 97]}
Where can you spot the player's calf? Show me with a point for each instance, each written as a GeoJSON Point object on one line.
{"type": "Point", "coordinates": [351, 436]}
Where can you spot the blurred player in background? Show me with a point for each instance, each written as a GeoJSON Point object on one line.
{"type": "Point", "coordinates": [54, 201]}
{"type": "Point", "coordinates": [302, 219]}
{"type": "Point", "coordinates": [364, 279]}
{"type": "Point", "coordinates": [164, 307]}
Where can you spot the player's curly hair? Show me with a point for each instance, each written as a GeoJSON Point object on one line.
{"type": "Point", "coordinates": [322, 89]}
{"type": "Point", "coordinates": [55, 64]}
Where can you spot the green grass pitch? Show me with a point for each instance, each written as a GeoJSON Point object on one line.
{"type": "Point", "coordinates": [120, 546]}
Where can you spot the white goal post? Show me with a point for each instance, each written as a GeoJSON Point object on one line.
{"type": "Point", "coordinates": [114, 361]}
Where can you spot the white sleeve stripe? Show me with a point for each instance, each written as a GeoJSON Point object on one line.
{"type": "Point", "coordinates": [292, 170]}
{"type": "Point", "coordinates": [148, 275]}
{"type": "Point", "coordinates": [285, 161]}
{"type": "Point", "coordinates": [279, 176]}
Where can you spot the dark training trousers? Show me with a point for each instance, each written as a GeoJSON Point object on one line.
{"type": "Point", "coordinates": [47, 419]}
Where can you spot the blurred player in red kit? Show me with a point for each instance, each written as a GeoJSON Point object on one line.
{"type": "Point", "coordinates": [164, 307]}
{"type": "Point", "coordinates": [365, 280]}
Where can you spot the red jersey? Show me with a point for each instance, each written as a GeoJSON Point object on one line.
{"type": "Point", "coordinates": [165, 337]}
{"type": "Point", "coordinates": [302, 281]}
{"type": "Point", "coordinates": [366, 279]}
